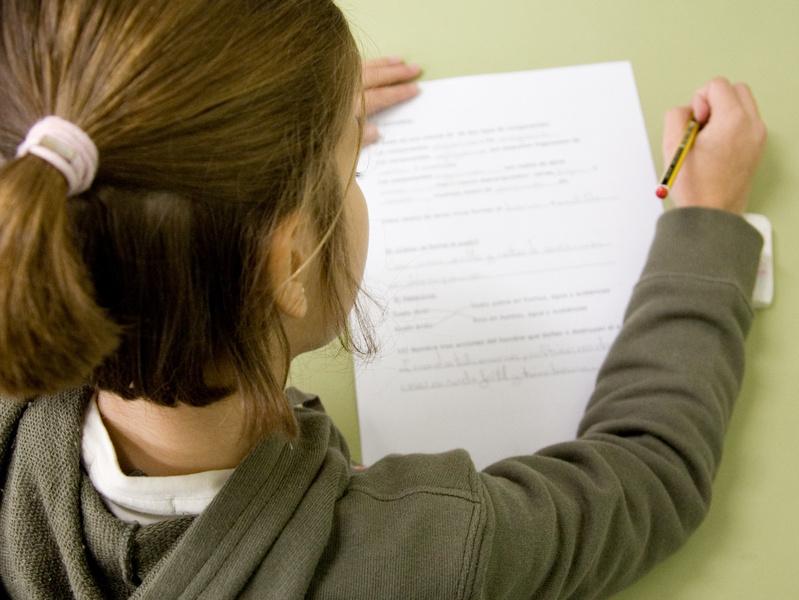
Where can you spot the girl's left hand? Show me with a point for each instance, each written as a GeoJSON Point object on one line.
{"type": "Point", "coordinates": [387, 81]}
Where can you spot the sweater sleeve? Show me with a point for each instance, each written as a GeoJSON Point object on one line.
{"type": "Point", "coordinates": [585, 518]}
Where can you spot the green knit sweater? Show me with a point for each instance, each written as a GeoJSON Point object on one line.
{"type": "Point", "coordinates": [577, 520]}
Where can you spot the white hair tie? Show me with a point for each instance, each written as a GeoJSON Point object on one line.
{"type": "Point", "coordinates": [65, 146]}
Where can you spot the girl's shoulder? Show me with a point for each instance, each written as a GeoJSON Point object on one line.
{"type": "Point", "coordinates": [425, 516]}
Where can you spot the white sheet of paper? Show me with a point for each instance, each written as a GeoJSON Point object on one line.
{"type": "Point", "coordinates": [510, 217]}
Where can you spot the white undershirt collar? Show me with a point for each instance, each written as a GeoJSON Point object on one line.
{"type": "Point", "coordinates": [144, 500]}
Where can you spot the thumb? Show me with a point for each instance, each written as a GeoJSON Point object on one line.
{"type": "Point", "coordinates": [673, 130]}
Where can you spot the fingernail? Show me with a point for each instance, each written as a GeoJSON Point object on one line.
{"type": "Point", "coordinates": [394, 60]}
{"type": "Point", "coordinates": [415, 68]}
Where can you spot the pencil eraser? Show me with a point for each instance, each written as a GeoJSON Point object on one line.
{"type": "Point", "coordinates": [662, 192]}
{"type": "Point", "coordinates": [763, 295]}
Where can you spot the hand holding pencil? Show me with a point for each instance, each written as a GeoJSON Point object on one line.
{"type": "Point", "coordinates": [717, 170]}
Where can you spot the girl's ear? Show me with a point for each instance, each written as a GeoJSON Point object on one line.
{"type": "Point", "coordinates": [287, 253]}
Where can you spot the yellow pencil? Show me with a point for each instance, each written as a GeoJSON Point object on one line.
{"type": "Point", "coordinates": [679, 158]}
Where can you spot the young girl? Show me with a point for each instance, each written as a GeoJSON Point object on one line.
{"type": "Point", "coordinates": [179, 219]}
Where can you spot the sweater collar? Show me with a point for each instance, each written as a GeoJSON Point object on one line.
{"type": "Point", "coordinates": [274, 515]}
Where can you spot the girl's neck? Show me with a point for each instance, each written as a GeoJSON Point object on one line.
{"type": "Point", "coordinates": [163, 441]}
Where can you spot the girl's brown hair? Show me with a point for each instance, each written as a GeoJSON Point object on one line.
{"type": "Point", "coordinates": [214, 121]}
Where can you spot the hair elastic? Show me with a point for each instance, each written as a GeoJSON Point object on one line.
{"type": "Point", "coordinates": [65, 146]}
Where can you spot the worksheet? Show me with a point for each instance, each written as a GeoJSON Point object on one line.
{"type": "Point", "coordinates": [510, 217]}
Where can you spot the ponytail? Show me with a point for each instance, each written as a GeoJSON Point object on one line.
{"type": "Point", "coordinates": [214, 119]}
{"type": "Point", "coordinates": [52, 332]}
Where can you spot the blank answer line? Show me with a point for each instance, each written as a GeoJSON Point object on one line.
{"type": "Point", "coordinates": [444, 280]}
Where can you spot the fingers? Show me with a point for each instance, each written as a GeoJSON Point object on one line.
{"type": "Point", "coordinates": [382, 75]}
{"type": "Point", "coordinates": [387, 81]}
{"type": "Point", "coordinates": [716, 95]}
{"type": "Point", "coordinates": [719, 170]}
{"type": "Point", "coordinates": [747, 100]}
{"type": "Point", "coordinates": [382, 62]}
{"type": "Point", "coordinates": [700, 108]}
{"type": "Point", "coordinates": [674, 130]}
{"type": "Point", "coordinates": [721, 96]}
{"type": "Point", "coordinates": [378, 99]}
{"type": "Point", "coordinates": [370, 134]}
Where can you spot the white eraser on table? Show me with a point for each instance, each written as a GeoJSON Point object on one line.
{"type": "Point", "coordinates": [764, 286]}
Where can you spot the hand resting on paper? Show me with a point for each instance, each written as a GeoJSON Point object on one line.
{"type": "Point", "coordinates": [387, 82]}
{"type": "Point", "coordinates": [718, 170]}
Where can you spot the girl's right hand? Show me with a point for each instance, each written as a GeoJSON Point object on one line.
{"type": "Point", "coordinates": [718, 171]}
